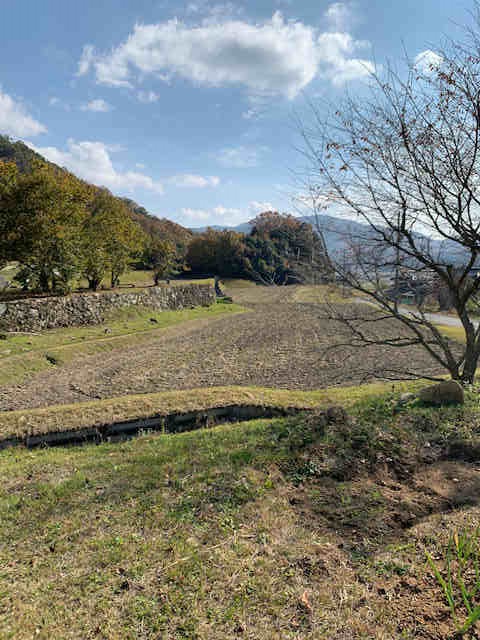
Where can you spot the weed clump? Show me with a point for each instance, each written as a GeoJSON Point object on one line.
{"type": "Point", "coordinates": [459, 578]}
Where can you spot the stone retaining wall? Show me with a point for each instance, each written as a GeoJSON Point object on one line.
{"type": "Point", "coordinates": [37, 314]}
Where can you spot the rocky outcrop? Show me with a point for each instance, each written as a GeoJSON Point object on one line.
{"type": "Point", "coordinates": [448, 392]}
{"type": "Point", "coordinates": [37, 314]}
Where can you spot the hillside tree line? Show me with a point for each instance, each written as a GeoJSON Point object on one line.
{"type": "Point", "coordinates": [60, 230]}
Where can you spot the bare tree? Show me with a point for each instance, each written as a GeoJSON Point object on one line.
{"type": "Point", "coordinates": [404, 159]}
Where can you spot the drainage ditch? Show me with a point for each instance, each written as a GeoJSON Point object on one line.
{"type": "Point", "coordinates": [170, 423]}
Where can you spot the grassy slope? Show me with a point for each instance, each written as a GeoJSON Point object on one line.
{"type": "Point", "coordinates": [238, 531]}
{"type": "Point", "coordinates": [98, 412]}
{"type": "Point", "coordinates": [144, 278]}
{"type": "Point", "coordinates": [21, 355]}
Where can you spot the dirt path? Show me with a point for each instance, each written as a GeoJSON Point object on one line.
{"type": "Point", "coordinates": [279, 343]}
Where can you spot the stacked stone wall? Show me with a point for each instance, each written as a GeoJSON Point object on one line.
{"type": "Point", "coordinates": [37, 314]}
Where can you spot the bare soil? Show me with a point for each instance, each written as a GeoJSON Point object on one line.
{"type": "Point", "coordinates": [377, 529]}
{"type": "Point", "coordinates": [279, 343]}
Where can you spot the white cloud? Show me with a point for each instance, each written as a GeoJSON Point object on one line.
{"type": "Point", "coordinates": [276, 57]}
{"type": "Point", "coordinates": [98, 105]}
{"type": "Point", "coordinates": [147, 97]}
{"type": "Point", "coordinates": [249, 114]}
{"type": "Point", "coordinates": [14, 119]}
{"type": "Point", "coordinates": [336, 62]}
{"type": "Point", "coordinates": [427, 61]}
{"type": "Point", "coordinates": [255, 207]}
{"type": "Point", "coordinates": [190, 180]}
{"type": "Point", "coordinates": [219, 215]}
{"type": "Point", "coordinates": [196, 215]}
{"type": "Point", "coordinates": [91, 161]}
{"type": "Point", "coordinates": [86, 59]}
{"type": "Point", "coordinates": [203, 7]}
{"type": "Point", "coordinates": [240, 157]}
{"type": "Point", "coordinates": [340, 16]}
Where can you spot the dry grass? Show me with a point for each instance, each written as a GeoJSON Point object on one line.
{"type": "Point", "coordinates": [100, 412]}
{"type": "Point", "coordinates": [321, 294]}
{"type": "Point", "coordinates": [454, 333]}
{"type": "Point", "coordinates": [247, 530]}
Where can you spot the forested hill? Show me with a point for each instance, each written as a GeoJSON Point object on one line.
{"type": "Point", "coordinates": [18, 152]}
{"type": "Point", "coordinates": [24, 157]}
{"type": "Point", "coordinates": [169, 230]}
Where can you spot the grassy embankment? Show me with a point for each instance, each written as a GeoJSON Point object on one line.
{"type": "Point", "coordinates": [267, 530]}
{"type": "Point", "coordinates": [97, 412]}
{"type": "Point", "coordinates": [22, 355]}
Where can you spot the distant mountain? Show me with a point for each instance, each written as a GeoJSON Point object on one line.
{"type": "Point", "coordinates": [244, 227]}
{"type": "Point", "coordinates": [24, 157]}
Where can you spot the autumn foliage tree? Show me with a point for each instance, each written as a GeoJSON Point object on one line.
{"type": "Point", "coordinates": [281, 249]}
{"type": "Point", "coordinates": [217, 253]}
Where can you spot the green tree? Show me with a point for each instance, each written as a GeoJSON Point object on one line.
{"type": "Point", "coordinates": [217, 252]}
{"type": "Point", "coordinates": [42, 212]}
{"type": "Point", "coordinates": [110, 238]}
{"type": "Point", "coordinates": [163, 258]}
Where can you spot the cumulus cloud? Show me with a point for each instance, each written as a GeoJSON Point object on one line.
{"type": "Point", "coordinates": [240, 157]}
{"type": "Point", "coordinates": [337, 61]}
{"type": "Point", "coordinates": [190, 180]}
{"type": "Point", "coordinates": [86, 60]}
{"type": "Point", "coordinates": [340, 16]}
{"type": "Point", "coordinates": [14, 119]}
{"type": "Point", "coordinates": [276, 57]}
{"type": "Point", "coordinates": [427, 61]}
{"type": "Point", "coordinates": [96, 105]}
{"type": "Point", "coordinates": [91, 161]}
{"type": "Point", "coordinates": [221, 215]}
{"type": "Point", "coordinates": [256, 207]}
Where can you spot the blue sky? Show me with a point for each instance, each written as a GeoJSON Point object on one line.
{"type": "Point", "coordinates": [189, 108]}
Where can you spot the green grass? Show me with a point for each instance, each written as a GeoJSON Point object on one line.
{"type": "Point", "coordinates": [459, 577]}
{"type": "Point", "coordinates": [143, 278]}
{"type": "Point", "coordinates": [220, 533]}
{"type": "Point", "coordinates": [22, 355]}
{"type": "Point", "coordinates": [98, 412]}
{"type": "Point", "coordinates": [137, 278]}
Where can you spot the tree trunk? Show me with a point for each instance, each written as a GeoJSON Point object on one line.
{"type": "Point", "coordinates": [93, 283]}
{"type": "Point", "coordinates": [43, 281]}
{"type": "Point", "coordinates": [470, 365]}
